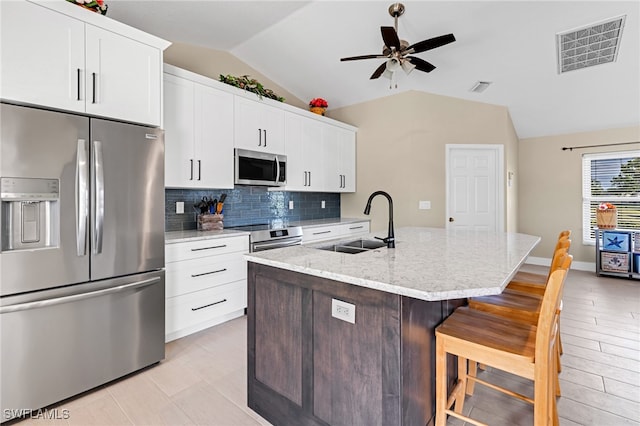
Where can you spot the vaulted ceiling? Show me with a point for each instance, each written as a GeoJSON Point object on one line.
{"type": "Point", "coordinates": [509, 43]}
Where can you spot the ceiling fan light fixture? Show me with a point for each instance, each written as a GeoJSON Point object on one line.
{"type": "Point", "coordinates": [407, 66]}
{"type": "Point", "coordinates": [393, 65]}
{"type": "Point", "coordinates": [480, 86]}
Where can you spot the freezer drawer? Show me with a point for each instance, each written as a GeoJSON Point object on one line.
{"type": "Point", "coordinates": [58, 343]}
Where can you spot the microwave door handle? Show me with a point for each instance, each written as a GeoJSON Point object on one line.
{"type": "Point", "coordinates": [277, 169]}
{"type": "Point", "coordinates": [82, 194]}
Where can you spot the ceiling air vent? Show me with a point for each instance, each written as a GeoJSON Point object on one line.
{"type": "Point", "coordinates": [591, 45]}
{"type": "Point", "coordinates": [480, 86]}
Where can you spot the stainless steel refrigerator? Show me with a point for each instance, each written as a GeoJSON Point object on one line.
{"type": "Point", "coordinates": [81, 254]}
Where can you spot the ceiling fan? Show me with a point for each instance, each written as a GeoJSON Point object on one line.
{"type": "Point", "coordinates": [397, 51]}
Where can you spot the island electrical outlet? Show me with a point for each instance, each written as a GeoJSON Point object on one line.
{"type": "Point", "coordinates": [343, 311]}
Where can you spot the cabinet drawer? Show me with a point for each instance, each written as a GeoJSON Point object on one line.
{"type": "Point", "coordinates": [199, 274]}
{"type": "Point", "coordinates": [319, 233]}
{"type": "Point", "coordinates": [202, 306]}
{"type": "Point", "coordinates": [355, 228]}
{"type": "Point", "coordinates": [204, 248]}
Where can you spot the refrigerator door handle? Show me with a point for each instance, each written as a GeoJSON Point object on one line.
{"type": "Point", "coordinates": [82, 195]}
{"type": "Point", "coordinates": [75, 297]}
{"type": "Point", "coordinates": [98, 168]}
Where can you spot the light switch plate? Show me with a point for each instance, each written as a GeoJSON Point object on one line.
{"type": "Point", "coordinates": [180, 207]}
{"type": "Point", "coordinates": [322, 204]}
{"type": "Point", "coordinates": [424, 205]}
{"type": "Point", "coordinates": [343, 311]}
{"type": "Point", "coordinates": [290, 204]}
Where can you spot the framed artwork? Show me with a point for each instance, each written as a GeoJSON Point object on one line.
{"type": "Point", "coordinates": [616, 241]}
{"type": "Point", "coordinates": [614, 262]}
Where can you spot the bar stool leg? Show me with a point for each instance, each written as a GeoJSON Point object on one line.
{"type": "Point", "coordinates": [441, 384]}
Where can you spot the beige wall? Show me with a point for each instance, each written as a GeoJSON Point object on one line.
{"type": "Point", "coordinates": [212, 63]}
{"type": "Point", "coordinates": [401, 149]}
{"type": "Point", "coordinates": [550, 186]}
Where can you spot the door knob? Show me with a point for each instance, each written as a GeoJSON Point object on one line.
{"type": "Point", "coordinates": [451, 219]}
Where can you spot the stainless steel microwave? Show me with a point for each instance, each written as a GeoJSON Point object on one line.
{"type": "Point", "coordinates": [260, 168]}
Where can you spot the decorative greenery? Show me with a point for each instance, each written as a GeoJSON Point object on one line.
{"type": "Point", "coordinates": [98, 6]}
{"type": "Point", "coordinates": [250, 85]}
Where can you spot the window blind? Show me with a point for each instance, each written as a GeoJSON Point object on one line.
{"type": "Point", "coordinates": [615, 178]}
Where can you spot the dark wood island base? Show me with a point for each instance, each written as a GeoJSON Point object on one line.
{"type": "Point", "coordinates": [306, 367]}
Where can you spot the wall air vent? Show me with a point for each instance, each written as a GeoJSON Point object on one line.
{"type": "Point", "coordinates": [480, 86]}
{"type": "Point", "coordinates": [591, 45]}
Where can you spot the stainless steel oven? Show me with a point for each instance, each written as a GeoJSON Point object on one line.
{"type": "Point", "coordinates": [260, 168]}
{"type": "Point", "coordinates": [268, 237]}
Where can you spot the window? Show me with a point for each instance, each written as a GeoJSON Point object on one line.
{"type": "Point", "coordinates": [615, 178]}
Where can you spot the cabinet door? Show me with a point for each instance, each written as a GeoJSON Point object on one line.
{"type": "Point", "coordinates": [42, 56]}
{"type": "Point", "coordinates": [347, 146]}
{"type": "Point", "coordinates": [297, 174]}
{"type": "Point", "coordinates": [258, 127]}
{"type": "Point", "coordinates": [123, 77]}
{"type": "Point", "coordinates": [179, 132]}
{"type": "Point", "coordinates": [332, 169]}
{"type": "Point", "coordinates": [314, 154]}
{"type": "Point", "coordinates": [213, 137]}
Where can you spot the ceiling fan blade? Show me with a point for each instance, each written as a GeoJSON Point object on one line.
{"type": "Point", "coordinates": [432, 43]}
{"type": "Point", "coordinates": [421, 64]}
{"type": "Point", "coordinates": [378, 72]}
{"type": "Point", "coordinates": [355, 58]}
{"type": "Point", "coordinates": [390, 37]}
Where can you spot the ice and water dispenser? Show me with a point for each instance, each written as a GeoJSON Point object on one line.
{"type": "Point", "coordinates": [29, 213]}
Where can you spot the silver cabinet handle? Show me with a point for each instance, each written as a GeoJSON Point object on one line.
{"type": "Point", "coordinates": [191, 161]}
{"type": "Point", "coordinates": [199, 170]}
{"type": "Point", "coordinates": [75, 297]}
{"type": "Point", "coordinates": [82, 195]}
{"type": "Point", "coordinates": [356, 227]}
{"type": "Point", "coordinates": [265, 137]}
{"type": "Point", "coordinates": [98, 172]}
{"type": "Point", "coordinates": [210, 304]}
{"type": "Point", "coordinates": [309, 178]}
{"type": "Point", "coordinates": [208, 248]}
{"type": "Point", "coordinates": [208, 273]}
{"type": "Point", "coordinates": [321, 232]}
{"type": "Point", "coordinates": [259, 137]}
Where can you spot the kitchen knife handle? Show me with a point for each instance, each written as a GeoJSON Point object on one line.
{"type": "Point", "coordinates": [99, 197]}
{"type": "Point", "coordinates": [82, 195]}
{"type": "Point", "coordinates": [199, 169]}
{"type": "Point", "coordinates": [191, 161]}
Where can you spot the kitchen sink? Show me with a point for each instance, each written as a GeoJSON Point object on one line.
{"type": "Point", "coordinates": [354, 247]}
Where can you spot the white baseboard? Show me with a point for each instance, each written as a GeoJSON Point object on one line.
{"type": "Point", "coordinates": [578, 266]}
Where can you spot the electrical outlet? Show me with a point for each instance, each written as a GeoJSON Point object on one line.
{"type": "Point", "coordinates": [343, 311]}
{"type": "Point", "coordinates": [290, 204]}
{"type": "Point", "coordinates": [180, 207]}
{"type": "Point", "coordinates": [424, 205]}
{"type": "Point", "coordinates": [322, 205]}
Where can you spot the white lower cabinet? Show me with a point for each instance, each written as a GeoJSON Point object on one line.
{"type": "Point", "coordinates": [333, 231]}
{"type": "Point", "coordinates": [206, 284]}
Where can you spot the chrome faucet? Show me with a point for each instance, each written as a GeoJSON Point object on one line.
{"type": "Point", "coordinates": [390, 240]}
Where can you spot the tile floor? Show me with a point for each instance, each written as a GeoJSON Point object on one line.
{"type": "Point", "coordinates": [203, 379]}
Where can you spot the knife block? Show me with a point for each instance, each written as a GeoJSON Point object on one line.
{"type": "Point", "coordinates": [210, 222]}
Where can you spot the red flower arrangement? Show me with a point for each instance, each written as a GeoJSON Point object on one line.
{"type": "Point", "coordinates": [318, 102]}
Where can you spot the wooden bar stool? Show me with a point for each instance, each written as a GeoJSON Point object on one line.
{"type": "Point", "coordinates": [513, 346]}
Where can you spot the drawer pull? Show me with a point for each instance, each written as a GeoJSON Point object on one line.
{"type": "Point", "coordinates": [323, 232]}
{"type": "Point", "coordinates": [210, 304]}
{"type": "Point", "coordinates": [357, 227]}
{"type": "Point", "coordinates": [208, 248]}
{"type": "Point", "coordinates": [208, 273]}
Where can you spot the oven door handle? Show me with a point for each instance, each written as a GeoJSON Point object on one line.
{"type": "Point", "coordinates": [277, 168]}
{"type": "Point", "coordinates": [277, 244]}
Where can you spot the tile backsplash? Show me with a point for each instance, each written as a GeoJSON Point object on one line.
{"type": "Point", "coordinates": [248, 205]}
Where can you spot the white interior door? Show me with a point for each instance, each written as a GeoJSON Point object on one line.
{"type": "Point", "coordinates": [475, 194]}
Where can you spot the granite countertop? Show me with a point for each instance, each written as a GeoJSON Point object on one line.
{"type": "Point", "coordinates": [194, 235]}
{"type": "Point", "coordinates": [427, 263]}
{"type": "Point", "coordinates": [172, 237]}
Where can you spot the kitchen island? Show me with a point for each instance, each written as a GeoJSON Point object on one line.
{"type": "Point", "coordinates": [348, 339]}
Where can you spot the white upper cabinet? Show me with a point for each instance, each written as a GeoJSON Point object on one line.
{"type": "Point", "coordinates": [258, 126]}
{"type": "Point", "coordinates": [198, 122]}
{"type": "Point", "coordinates": [54, 56]}
{"type": "Point", "coordinates": [305, 154]}
{"type": "Point", "coordinates": [340, 159]}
